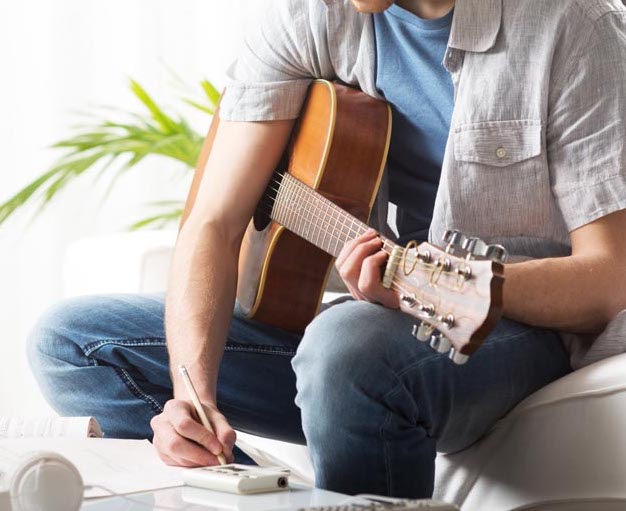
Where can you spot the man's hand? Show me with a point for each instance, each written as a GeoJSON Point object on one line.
{"type": "Point", "coordinates": [181, 440]}
{"type": "Point", "coordinates": [360, 264]}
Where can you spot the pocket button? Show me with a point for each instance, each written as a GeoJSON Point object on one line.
{"type": "Point", "coordinates": [501, 152]}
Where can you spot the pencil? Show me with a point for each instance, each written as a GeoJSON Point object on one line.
{"type": "Point", "coordinates": [182, 370]}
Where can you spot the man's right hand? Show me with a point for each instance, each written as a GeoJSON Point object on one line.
{"type": "Point", "coordinates": [181, 440]}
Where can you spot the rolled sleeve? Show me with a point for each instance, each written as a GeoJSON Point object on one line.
{"type": "Point", "coordinates": [270, 78]}
{"type": "Point", "coordinates": [586, 135]}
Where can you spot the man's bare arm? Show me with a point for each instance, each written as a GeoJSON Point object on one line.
{"type": "Point", "coordinates": [203, 279]}
{"type": "Point", "coordinates": [579, 293]}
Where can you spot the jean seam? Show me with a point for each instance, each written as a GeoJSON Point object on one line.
{"type": "Point", "coordinates": [88, 349]}
{"type": "Point", "coordinates": [134, 388]}
{"type": "Point", "coordinates": [261, 348]}
{"type": "Point", "coordinates": [386, 457]}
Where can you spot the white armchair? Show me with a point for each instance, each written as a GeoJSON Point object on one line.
{"type": "Point", "coordinates": [563, 448]}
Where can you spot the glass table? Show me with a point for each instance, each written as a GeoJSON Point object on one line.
{"type": "Point", "coordinates": [195, 499]}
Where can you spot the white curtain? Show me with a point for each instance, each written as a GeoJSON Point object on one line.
{"type": "Point", "coordinates": [62, 56]}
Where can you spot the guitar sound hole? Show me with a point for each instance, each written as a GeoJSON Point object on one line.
{"type": "Point", "coordinates": [262, 218]}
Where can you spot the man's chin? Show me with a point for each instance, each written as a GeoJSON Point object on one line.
{"type": "Point", "coordinates": [372, 6]}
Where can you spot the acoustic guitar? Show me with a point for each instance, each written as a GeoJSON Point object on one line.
{"type": "Point", "coordinates": [320, 198]}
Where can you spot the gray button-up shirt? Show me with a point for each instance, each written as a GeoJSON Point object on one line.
{"type": "Point", "coordinates": [537, 146]}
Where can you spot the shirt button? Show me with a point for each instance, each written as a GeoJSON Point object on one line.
{"type": "Point", "coordinates": [501, 152]}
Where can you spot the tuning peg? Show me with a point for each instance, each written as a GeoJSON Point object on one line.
{"type": "Point", "coordinates": [448, 234]}
{"type": "Point", "coordinates": [440, 343]}
{"type": "Point", "coordinates": [475, 246]}
{"type": "Point", "coordinates": [457, 358]}
{"type": "Point", "coordinates": [455, 240]}
{"type": "Point", "coordinates": [497, 253]}
{"type": "Point", "coordinates": [422, 332]}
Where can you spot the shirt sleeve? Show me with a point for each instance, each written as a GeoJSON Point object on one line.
{"type": "Point", "coordinates": [586, 132]}
{"type": "Point", "coordinates": [270, 78]}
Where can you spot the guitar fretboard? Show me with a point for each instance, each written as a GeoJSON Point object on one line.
{"type": "Point", "coordinates": [313, 217]}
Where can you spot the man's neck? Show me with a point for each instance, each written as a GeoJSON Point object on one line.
{"type": "Point", "coordinates": [427, 9]}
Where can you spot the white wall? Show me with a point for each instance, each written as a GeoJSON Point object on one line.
{"type": "Point", "coordinates": [59, 56]}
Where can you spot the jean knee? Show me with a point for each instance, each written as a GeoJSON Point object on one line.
{"type": "Point", "coordinates": [52, 338]}
{"type": "Point", "coordinates": [345, 346]}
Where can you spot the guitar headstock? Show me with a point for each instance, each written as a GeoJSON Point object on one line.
{"type": "Point", "coordinates": [455, 292]}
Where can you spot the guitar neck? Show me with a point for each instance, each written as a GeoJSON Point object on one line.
{"type": "Point", "coordinates": [313, 217]}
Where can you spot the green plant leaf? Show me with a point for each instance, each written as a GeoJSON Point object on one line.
{"type": "Point", "coordinates": [113, 141]}
{"type": "Point", "coordinates": [211, 92]}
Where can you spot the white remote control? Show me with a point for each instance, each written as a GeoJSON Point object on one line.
{"type": "Point", "coordinates": [243, 479]}
{"type": "Point", "coordinates": [377, 503]}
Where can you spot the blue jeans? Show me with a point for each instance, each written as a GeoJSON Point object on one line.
{"type": "Point", "coordinates": [372, 403]}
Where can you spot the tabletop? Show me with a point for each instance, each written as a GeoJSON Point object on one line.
{"type": "Point", "coordinates": [195, 499]}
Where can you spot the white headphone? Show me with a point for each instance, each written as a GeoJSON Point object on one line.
{"type": "Point", "coordinates": [44, 481]}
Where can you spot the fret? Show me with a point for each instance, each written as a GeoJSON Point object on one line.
{"type": "Point", "coordinates": [304, 226]}
{"type": "Point", "coordinates": [291, 207]}
{"type": "Point", "coordinates": [338, 222]}
{"type": "Point", "coordinates": [283, 210]}
{"type": "Point", "coordinates": [318, 223]}
{"type": "Point", "coordinates": [276, 213]}
{"type": "Point", "coordinates": [314, 217]}
{"type": "Point", "coordinates": [334, 252]}
{"type": "Point", "coordinates": [290, 214]}
{"type": "Point", "coordinates": [345, 232]}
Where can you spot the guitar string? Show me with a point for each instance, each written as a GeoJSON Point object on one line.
{"type": "Point", "coordinates": [428, 270]}
{"type": "Point", "coordinates": [350, 228]}
{"type": "Point", "coordinates": [424, 268]}
{"type": "Point", "coordinates": [352, 231]}
{"type": "Point", "coordinates": [395, 284]}
{"type": "Point", "coordinates": [394, 281]}
{"type": "Point", "coordinates": [329, 203]}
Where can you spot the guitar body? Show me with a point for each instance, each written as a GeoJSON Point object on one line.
{"type": "Point", "coordinates": [339, 148]}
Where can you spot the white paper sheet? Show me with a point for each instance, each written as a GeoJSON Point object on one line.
{"type": "Point", "coordinates": [121, 466]}
{"type": "Point", "coordinates": [49, 427]}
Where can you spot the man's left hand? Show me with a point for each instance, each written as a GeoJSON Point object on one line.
{"type": "Point", "coordinates": [360, 264]}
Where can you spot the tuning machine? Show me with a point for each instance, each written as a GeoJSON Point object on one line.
{"type": "Point", "coordinates": [454, 241]}
{"type": "Point", "coordinates": [456, 357]}
{"type": "Point", "coordinates": [476, 247]}
{"type": "Point", "coordinates": [440, 343]}
{"type": "Point", "coordinates": [422, 332]}
{"type": "Point", "coordinates": [497, 253]}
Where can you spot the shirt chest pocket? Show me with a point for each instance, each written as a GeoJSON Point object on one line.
{"type": "Point", "coordinates": [498, 143]}
{"type": "Point", "coordinates": [500, 177]}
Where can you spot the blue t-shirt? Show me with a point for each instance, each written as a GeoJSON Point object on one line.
{"type": "Point", "coordinates": [411, 77]}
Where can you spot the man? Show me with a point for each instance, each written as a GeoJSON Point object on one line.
{"type": "Point", "coordinates": [520, 136]}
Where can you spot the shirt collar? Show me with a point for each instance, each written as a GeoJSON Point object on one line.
{"type": "Point", "coordinates": [475, 25]}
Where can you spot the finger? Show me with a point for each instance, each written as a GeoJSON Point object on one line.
{"type": "Point", "coordinates": [188, 427]}
{"type": "Point", "coordinates": [351, 245]}
{"type": "Point", "coordinates": [180, 451]}
{"type": "Point", "coordinates": [370, 282]}
{"type": "Point", "coordinates": [351, 268]}
{"type": "Point", "coordinates": [224, 432]}
{"type": "Point", "coordinates": [356, 294]}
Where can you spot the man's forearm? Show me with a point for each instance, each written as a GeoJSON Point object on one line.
{"type": "Point", "coordinates": [199, 305]}
{"type": "Point", "coordinates": [576, 294]}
